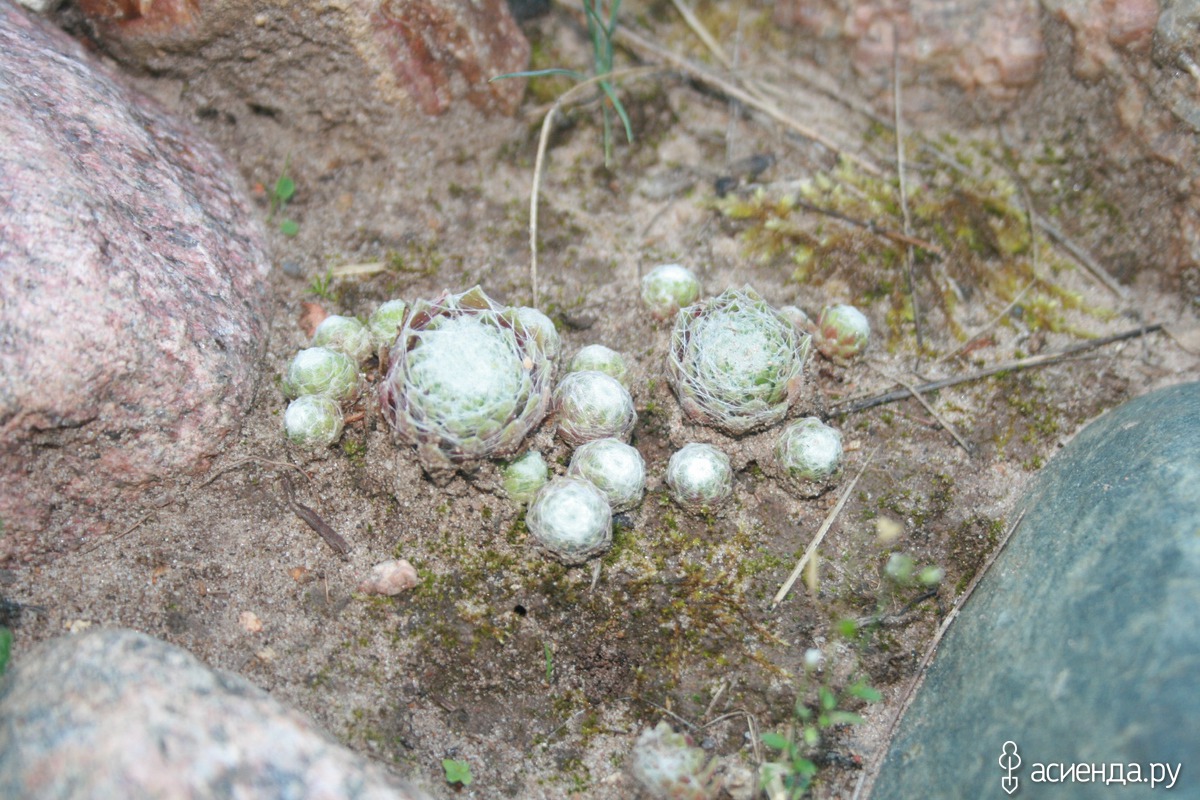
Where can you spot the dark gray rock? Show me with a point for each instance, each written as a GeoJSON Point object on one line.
{"type": "Point", "coordinates": [132, 293]}
{"type": "Point", "coordinates": [1082, 644]}
{"type": "Point", "coordinates": [118, 714]}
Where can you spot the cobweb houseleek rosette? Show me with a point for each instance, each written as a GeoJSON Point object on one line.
{"type": "Point", "coordinates": [466, 380]}
{"type": "Point", "coordinates": [736, 363]}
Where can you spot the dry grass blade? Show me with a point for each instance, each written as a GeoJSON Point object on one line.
{"type": "Point", "coordinates": [895, 236]}
{"type": "Point", "coordinates": [867, 779]}
{"type": "Point", "coordinates": [825, 526]}
{"type": "Point", "coordinates": [564, 99]}
{"type": "Point", "coordinates": [908, 252]}
{"type": "Point", "coordinates": [1085, 259]}
{"type": "Point", "coordinates": [754, 100]}
{"type": "Point", "coordinates": [861, 404]}
{"type": "Point", "coordinates": [120, 535]}
{"type": "Point", "coordinates": [933, 412]}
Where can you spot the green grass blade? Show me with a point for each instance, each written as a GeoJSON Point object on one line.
{"type": "Point", "coordinates": [619, 108]}
{"type": "Point", "coordinates": [539, 73]}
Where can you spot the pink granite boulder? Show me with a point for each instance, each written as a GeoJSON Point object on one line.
{"type": "Point", "coordinates": [132, 294]}
{"type": "Point", "coordinates": [115, 713]}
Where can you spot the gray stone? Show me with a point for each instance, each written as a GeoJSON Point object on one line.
{"type": "Point", "coordinates": [133, 293]}
{"type": "Point", "coordinates": [115, 713]}
{"type": "Point", "coordinates": [1082, 644]}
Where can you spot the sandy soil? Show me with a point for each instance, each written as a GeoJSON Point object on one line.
{"type": "Point", "coordinates": [538, 676]}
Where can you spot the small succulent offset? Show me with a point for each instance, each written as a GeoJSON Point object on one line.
{"type": "Point", "coordinates": [668, 288]}
{"type": "Point", "coordinates": [571, 520]}
{"type": "Point", "coordinates": [699, 476]}
{"type": "Point", "coordinates": [319, 370]}
{"type": "Point", "coordinates": [842, 333]}
{"type": "Point", "coordinates": [541, 326]}
{"type": "Point", "coordinates": [313, 420]}
{"type": "Point", "coordinates": [669, 767]}
{"type": "Point", "coordinates": [466, 380]}
{"type": "Point", "coordinates": [385, 322]}
{"type": "Point", "coordinates": [810, 450]}
{"type": "Point", "coordinates": [524, 476]}
{"type": "Point", "coordinates": [593, 405]}
{"type": "Point", "coordinates": [736, 363]}
{"type": "Point", "coordinates": [615, 468]}
{"type": "Point", "coordinates": [598, 358]}
{"type": "Point", "coordinates": [346, 335]}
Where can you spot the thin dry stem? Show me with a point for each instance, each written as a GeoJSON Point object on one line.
{"type": "Point", "coordinates": [543, 141]}
{"type": "Point", "coordinates": [825, 526]}
{"type": "Point", "coordinates": [254, 460]}
{"type": "Point", "coordinates": [1044, 360]}
{"type": "Point", "coordinates": [754, 100]}
{"type": "Point", "coordinates": [896, 236]}
{"type": "Point", "coordinates": [908, 252]}
{"type": "Point", "coordinates": [120, 535]}
{"type": "Point", "coordinates": [929, 407]}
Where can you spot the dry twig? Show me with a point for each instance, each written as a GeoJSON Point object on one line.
{"type": "Point", "coordinates": [825, 526]}
{"type": "Point", "coordinates": [254, 460]}
{"type": "Point", "coordinates": [908, 252]}
{"type": "Point", "coordinates": [314, 521]}
{"type": "Point", "coordinates": [120, 535]}
{"type": "Point", "coordinates": [1044, 360]}
{"type": "Point", "coordinates": [753, 99]}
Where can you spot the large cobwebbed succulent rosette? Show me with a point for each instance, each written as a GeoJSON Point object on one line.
{"type": "Point", "coordinates": [736, 363]}
{"type": "Point", "coordinates": [467, 381]}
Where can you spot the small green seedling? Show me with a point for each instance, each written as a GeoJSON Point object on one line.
{"type": "Point", "coordinates": [790, 776]}
{"type": "Point", "coordinates": [6, 638]}
{"type": "Point", "coordinates": [322, 286]}
{"type": "Point", "coordinates": [281, 194]}
{"type": "Point", "coordinates": [457, 771]}
{"type": "Point", "coordinates": [549, 663]}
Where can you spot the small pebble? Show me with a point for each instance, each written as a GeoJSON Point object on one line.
{"type": "Point", "coordinates": [390, 578]}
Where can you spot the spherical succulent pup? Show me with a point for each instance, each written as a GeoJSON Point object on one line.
{"type": "Point", "coordinates": [668, 288]}
{"type": "Point", "coordinates": [593, 405]}
{"type": "Point", "coordinates": [809, 450]}
{"type": "Point", "coordinates": [524, 476]}
{"type": "Point", "coordinates": [736, 363]}
{"type": "Point", "coordinates": [669, 767]}
{"type": "Point", "coordinates": [385, 323]}
{"type": "Point", "coordinates": [842, 333]}
{"type": "Point", "coordinates": [617, 469]}
{"type": "Point", "coordinates": [466, 380]}
{"type": "Point", "coordinates": [571, 520]}
{"type": "Point", "coordinates": [313, 420]}
{"type": "Point", "coordinates": [346, 335]}
{"type": "Point", "coordinates": [598, 358]}
{"type": "Point", "coordinates": [699, 476]}
{"type": "Point", "coordinates": [541, 326]}
{"type": "Point", "coordinates": [319, 370]}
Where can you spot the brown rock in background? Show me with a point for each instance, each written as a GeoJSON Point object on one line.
{"type": "Point", "coordinates": [319, 88]}
{"type": "Point", "coordinates": [1109, 88]}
